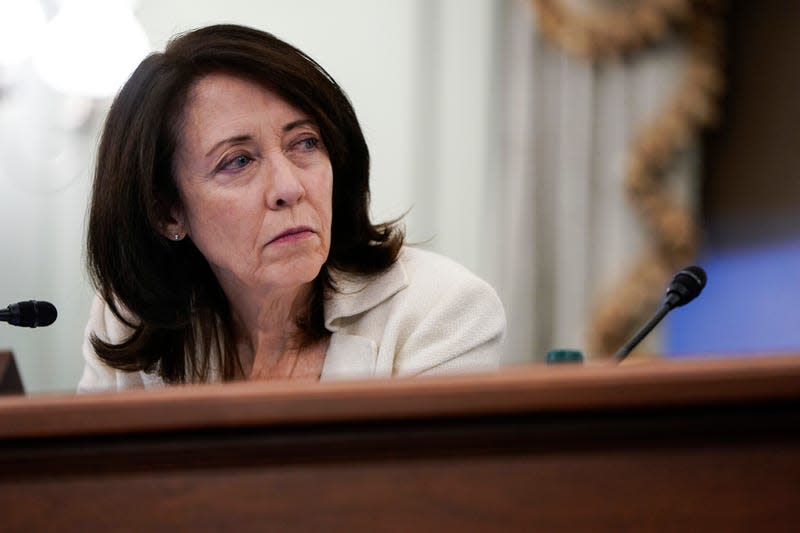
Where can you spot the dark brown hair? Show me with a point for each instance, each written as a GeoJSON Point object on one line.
{"type": "Point", "coordinates": [165, 291]}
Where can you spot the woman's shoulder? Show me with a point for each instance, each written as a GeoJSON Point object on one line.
{"type": "Point", "coordinates": [97, 376]}
{"type": "Point", "coordinates": [419, 282]}
{"type": "Point", "coordinates": [422, 264]}
{"type": "Point", "coordinates": [105, 324]}
{"type": "Point", "coordinates": [430, 275]}
{"type": "Point", "coordinates": [427, 314]}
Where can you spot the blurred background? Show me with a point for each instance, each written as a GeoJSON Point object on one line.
{"type": "Point", "coordinates": [571, 152]}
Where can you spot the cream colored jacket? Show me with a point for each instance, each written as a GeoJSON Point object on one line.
{"type": "Point", "coordinates": [424, 315]}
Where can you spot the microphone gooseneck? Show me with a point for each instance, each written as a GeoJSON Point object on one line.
{"type": "Point", "coordinates": [30, 314]}
{"type": "Point", "coordinates": [685, 286]}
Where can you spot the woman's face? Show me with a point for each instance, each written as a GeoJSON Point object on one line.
{"type": "Point", "coordinates": [255, 185]}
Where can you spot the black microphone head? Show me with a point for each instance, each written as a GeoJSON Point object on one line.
{"type": "Point", "coordinates": [32, 314]}
{"type": "Point", "coordinates": [685, 286]}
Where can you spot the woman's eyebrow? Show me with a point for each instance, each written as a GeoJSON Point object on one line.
{"type": "Point", "coordinates": [297, 123]}
{"type": "Point", "coordinates": [229, 140]}
{"type": "Point", "coordinates": [243, 138]}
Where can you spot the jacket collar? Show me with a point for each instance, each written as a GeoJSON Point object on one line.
{"type": "Point", "coordinates": [356, 294]}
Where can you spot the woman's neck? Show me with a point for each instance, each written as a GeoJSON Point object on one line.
{"type": "Point", "coordinates": [267, 336]}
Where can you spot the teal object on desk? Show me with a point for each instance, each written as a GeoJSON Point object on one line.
{"type": "Point", "coordinates": [564, 356]}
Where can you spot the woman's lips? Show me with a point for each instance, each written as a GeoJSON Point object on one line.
{"type": "Point", "coordinates": [292, 235]}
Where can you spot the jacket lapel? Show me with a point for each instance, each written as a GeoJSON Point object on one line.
{"type": "Point", "coordinates": [353, 356]}
{"type": "Point", "coordinates": [350, 357]}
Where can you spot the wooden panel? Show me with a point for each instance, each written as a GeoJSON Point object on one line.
{"type": "Point", "coordinates": [514, 390]}
{"type": "Point", "coordinates": [660, 489]}
{"type": "Point", "coordinates": [677, 446]}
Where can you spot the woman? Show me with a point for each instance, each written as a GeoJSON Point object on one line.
{"type": "Point", "coordinates": [229, 235]}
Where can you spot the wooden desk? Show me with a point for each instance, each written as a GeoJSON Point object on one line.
{"type": "Point", "coordinates": [663, 446]}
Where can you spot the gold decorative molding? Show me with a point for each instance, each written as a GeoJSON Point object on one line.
{"type": "Point", "coordinates": [595, 30]}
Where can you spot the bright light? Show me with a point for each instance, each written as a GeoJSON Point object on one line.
{"type": "Point", "coordinates": [91, 47]}
{"type": "Point", "coordinates": [21, 24]}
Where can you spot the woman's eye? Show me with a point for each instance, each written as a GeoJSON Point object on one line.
{"type": "Point", "coordinates": [307, 144]}
{"type": "Point", "coordinates": [237, 162]}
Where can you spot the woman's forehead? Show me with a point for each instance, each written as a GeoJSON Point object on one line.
{"type": "Point", "coordinates": [221, 93]}
{"type": "Point", "coordinates": [221, 105]}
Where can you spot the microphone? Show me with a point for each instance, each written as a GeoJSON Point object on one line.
{"type": "Point", "coordinates": [684, 287]}
{"type": "Point", "coordinates": [30, 314]}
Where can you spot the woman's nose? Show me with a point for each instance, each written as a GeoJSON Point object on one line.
{"type": "Point", "coordinates": [284, 188]}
